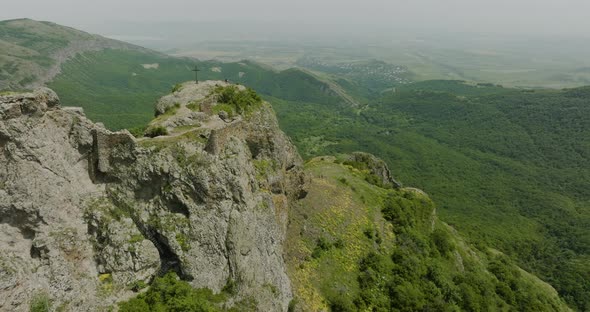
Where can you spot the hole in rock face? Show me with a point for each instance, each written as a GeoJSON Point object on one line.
{"type": "Point", "coordinates": [169, 261]}
{"type": "Point", "coordinates": [27, 233]}
{"type": "Point", "coordinates": [3, 141]}
{"type": "Point", "coordinates": [149, 190]}
{"type": "Point", "coordinates": [176, 206]}
{"type": "Point", "coordinates": [254, 148]}
{"type": "Point", "coordinates": [24, 221]}
{"type": "Point", "coordinates": [39, 252]}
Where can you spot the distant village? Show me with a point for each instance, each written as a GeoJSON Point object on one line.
{"type": "Point", "coordinates": [376, 70]}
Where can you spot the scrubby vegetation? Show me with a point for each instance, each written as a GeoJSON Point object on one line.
{"type": "Point", "coordinates": [8, 93]}
{"type": "Point", "coordinates": [170, 111]}
{"type": "Point", "coordinates": [168, 293]}
{"type": "Point", "coordinates": [156, 131]}
{"type": "Point", "coordinates": [177, 87]}
{"type": "Point", "coordinates": [137, 132]}
{"type": "Point", "coordinates": [40, 303]}
{"type": "Point", "coordinates": [430, 270]}
{"type": "Point", "coordinates": [194, 106]}
{"type": "Point", "coordinates": [233, 100]}
{"type": "Point", "coordinates": [405, 260]}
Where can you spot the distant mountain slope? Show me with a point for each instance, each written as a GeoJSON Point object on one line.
{"type": "Point", "coordinates": [120, 87]}
{"type": "Point", "coordinates": [32, 52]}
{"type": "Point", "coordinates": [118, 83]}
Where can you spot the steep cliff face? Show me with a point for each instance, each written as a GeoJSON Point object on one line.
{"type": "Point", "coordinates": [86, 214]}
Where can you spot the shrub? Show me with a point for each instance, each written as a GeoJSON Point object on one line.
{"type": "Point", "coordinates": [183, 242]}
{"type": "Point", "coordinates": [40, 303]}
{"type": "Point", "coordinates": [137, 132]}
{"type": "Point", "coordinates": [177, 87]}
{"type": "Point", "coordinates": [168, 293]}
{"type": "Point", "coordinates": [194, 106]}
{"type": "Point", "coordinates": [374, 179]}
{"type": "Point", "coordinates": [156, 131]}
{"type": "Point", "coordinates": [368, 233]}
{"type": "Point", "coordinates": [356, 164]}
{"type": "Point", "coordinates": [339, 243]}
{"type": "Point", "coordinates": [321, 245]}
{"type": "Point", "coordinates": [231, 287]}
{"type": "Point", "coordinates": [398, 213]}
{"type": "Point", "coordinates": [292, 305]}
{"type": "Point", "coordinates": [339, 303]}
{"type": "Point", "coordinates": [168, 111]}
{"type": "Point", "coordinates": [242, 101]}
{"type": "Point", "coordinates": [442, 241]}
{"type": "Point", "coordinates": [224, 107]}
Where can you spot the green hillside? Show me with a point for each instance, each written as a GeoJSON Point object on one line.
{"type": "Point", "coordinates": [118, 83]}
{"type": "Point", "coordinates": [353, 246]}
{"type": "Point", "coordinates": [31, 52]}
{"type": "Point", "coordinates": [510, 168]}
{"type": "Point", "coordinates": [116, 88]}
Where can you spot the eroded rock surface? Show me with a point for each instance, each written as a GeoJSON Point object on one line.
{"type": "Point", "coordinates": [86, 214]}
{"type": "Point", "coordinates": [377, 167]}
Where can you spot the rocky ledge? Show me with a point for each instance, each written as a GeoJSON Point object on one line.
{"type": "Point", "coordinates": [87, 214]}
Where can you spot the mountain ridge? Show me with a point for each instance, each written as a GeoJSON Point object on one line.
{"type": "Point", "coordinates": [68, 42]}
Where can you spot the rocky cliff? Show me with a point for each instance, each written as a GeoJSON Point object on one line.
{"type": "Point", "coordinates": [87, 214]}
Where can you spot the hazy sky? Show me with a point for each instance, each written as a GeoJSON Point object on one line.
{"type": "Point", "coordinates": [549, 17]}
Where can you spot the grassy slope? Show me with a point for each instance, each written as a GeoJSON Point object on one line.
{"type": "Point", "coordinates": [339, 225]}
{"type": "Point", "coordinates": [509, 169]}
{"type": "Point", "coordinates": [113, 86]}
{"type": "Point", "coordinates": [333, 212]}
{"type": "Point", "coordinates": [26, 49]}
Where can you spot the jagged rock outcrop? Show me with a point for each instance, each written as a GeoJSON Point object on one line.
{"type": "Point", "coordinates": [86, 214]}
{"type": "Point", "coordinates": [376, 166]}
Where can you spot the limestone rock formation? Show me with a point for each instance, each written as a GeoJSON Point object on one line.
{"type": "Point", "coordinates": [377, 167]}
{"type": "Point", "coordinates": [86, 213]}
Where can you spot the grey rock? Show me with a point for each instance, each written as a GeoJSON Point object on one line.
{"type": "Point", "coordinates": [223, 115]}
{"type": "Point", "coordinates": [85, 213]}
{"type": "Point", "coordinates": [377, 167]}
{"type": "Point", "coordinates": [75, 110]}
